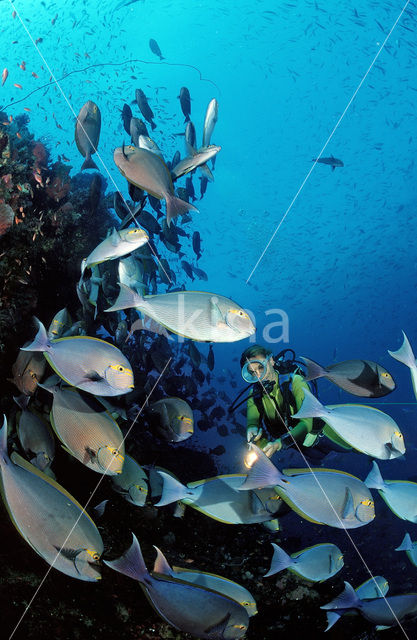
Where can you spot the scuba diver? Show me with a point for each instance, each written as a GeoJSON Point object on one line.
{"type": "Point", "coordinates": [277, 393]}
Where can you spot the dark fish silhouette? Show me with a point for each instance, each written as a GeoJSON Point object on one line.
{"type": "Point", "coordinates": [185, 102]}
{"type": "Point", "coordinates": [126, 117]}
{"type": "Point", "coordinates": [197, 244]}
{"type": "Point", "coordinates": [332, 162]}
{"type": "Point", "coordinates": [359, 377]}
{"type": "Point", "coordinates": [154, 47]}
{"type": "Point", "coordinates": [144, 107]}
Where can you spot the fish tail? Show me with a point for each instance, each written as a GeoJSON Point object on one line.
{"type": "Point", "coordinates": [314, 370]}
{"type": "Point", "coordinates": [263, 473]}
{"type": "Point", "coordinates": [280, 561]}
{"type": "Point", "coordinates": [348, 599]}
{"type": "Point", "coordinates": [374, 479]}
{"type": "Point", "coordinates": [332, 618]}
{"type": "Point", "coordinates": [311, 407]}
{"type": "Point", "coordinates": [187, 119]}
{"type": "Point", "coordinates": [126, 299]}
{"type": "Point", "coordinates": [131, 563]}
{"type": "Point", "coordinates": [172, 490]}
{"type": "Point", "coordinates": [176, 206]}
{"type": "Point", "coordinates": [406, 544]}
{"type": "Point", "coordinates": [41, 341]}
{"type": "Point", "coordinates": [153, 125]}
{"type": "Point", "coordinates": [404, 354]}
{"type": "Point", "coordinates": [89, 163]}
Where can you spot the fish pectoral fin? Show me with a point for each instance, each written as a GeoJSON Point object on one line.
{"type": "Point", "coordinates": [115, 238]}
{"type": "Point", "coordinates": [70, 554]}
{"type": "Point", "coordinates": [89, 455]}
{"type": "Point", "coordinates": [348, 507]}
{"type": "Point", "coordinates": [216, 316]}
{"type": "Point", "coordinates": [94, 376]}
{"type": "Point", "coordinates": [217, 629]}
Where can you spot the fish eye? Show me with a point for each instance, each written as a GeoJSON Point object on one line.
{"type": "Point", "coordinates": [398, 434]}
{"type": "Point", "coordinates": [385, 374]}
{"type": "Point", "coordinates": [367, 503]}
{"type": "Point", "coordinates": [96, 556]}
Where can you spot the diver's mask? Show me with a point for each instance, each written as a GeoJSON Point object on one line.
{"type": "Point", "coordinates": [255, 370]}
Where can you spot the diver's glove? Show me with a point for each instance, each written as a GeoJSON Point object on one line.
{"type": "Point", "coordinates": [253, 434]}
{"type": "Point", "coordinates": [272, 447]}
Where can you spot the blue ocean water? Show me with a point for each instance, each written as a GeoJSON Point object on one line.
{"type": "Point", "coordinates": [324, 261]}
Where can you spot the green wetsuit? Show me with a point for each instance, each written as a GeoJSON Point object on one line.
{"type": "Point", "coordinates": [273, 423]}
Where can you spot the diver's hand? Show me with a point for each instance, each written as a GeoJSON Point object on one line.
{"type": "Point", "coordinates": [253, 434]}
{"type": "Point", "coordinates": [272, 447]}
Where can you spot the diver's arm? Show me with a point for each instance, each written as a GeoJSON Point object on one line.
{"type": "Point", "coordinates": [304, 425]}
{"type": "Point", "coordinates": [253, 421]}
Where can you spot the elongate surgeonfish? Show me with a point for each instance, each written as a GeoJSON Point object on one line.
{"type": "Point", "coordinates": [51, 521]}
{"type": "Point", "coordinates": [384, 612]}
{"type": "Point", "coordinates": [375, 587]}
{"type": "Point", "coordinates": [317, 563]}
{"type": "Point", "coordinates": [197, 158]}
{"type": "Point", "coordinates": [399, 495]}
{"type": "Point", "coordinates": [116, 245]}
{"type": "Point", "coordinates": [143, 104]}
{"type": "Point", "coordinates": [405, 355]}
{"type": "Point", "coordinates": [359, 377]}
{"type": "Point", "coordinates": [198, 315]}
{"type": "Point", "coordinates": [367, 429]}
{"type": "Point", "coordinates": [132, 483]}
{"type": "Point", "coordinates": [85, 362]}
{"type": "Point", "coordinates": [149, 172]}
{"type": "Point", "coordinates": [210, 120]}
{"type": "Point", "coordinates": [187, 607]}
{"type": "Point", "coordinates": [87, 431]}
{"type": "Point", "coordinates": [185, 102]}
{"type": "Point", "coordinates": [35, 436]}
{"type": "Point", "coordinates": [211, 581]}
{"type": "Point", "coordinates": [60, 323]}
{"type": "Point", "coordinates": [331, 161]}
{"type": "Point", "coordinates": [220, 499]}
{"type": "Point", "coordinates": [87, 133]}
{"type": "Point", "coordinates": [174, 418]}
{"type": "Point", "coordinates": [324, 496]}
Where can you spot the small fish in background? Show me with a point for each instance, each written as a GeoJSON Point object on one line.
{"type": "Point", "coordinates": [94, 193]}
{"type": "Point", "coordinates": [27, 371]}
{"type": "Point", "coordinates": [359, 377]}
{"type": "Point", "coordinates": [132, 483]}
{"type": "Point", "coordinates": [174, 419]}
{"type": "Point", "coordinates": [201, 275]}
{"type": "Point", "coordinates": [185, 102]}
{"type": "Point", "coordinates": [210, 358]}
{"type": "Point", "coordinates": [207, 580]}
{"type": "Point", "coordinates": [399, 495]}
{"type": "Point", "coordinates": [375, 587]}
{"type": "Point", "coordinates": [217, 451]}
{"type": "Point", "coordinates": [126, 118]}
{"type": "Point", "coordinates": [34, 435]}
{"type": "Point", "coordinates": [4, 76]}
{"type": "Point", "coordinates": [410, 547]}
{"type": "Point", "coordinates": [317, 563]}
{"type": "Point", "coordinates": [147, 171]}
{"type": "Point", "coordinates": [85, 362]}
{"type": "Point", "coordinates": [154, 47]}
{"type": "Point", "coordinates": [190, 140]}
{"type": "Point", "coordinates": [331, 162]}
{"type": "Point", "coordinates": [88, 433]}
{"type": "Point", "coordinates": [203, 186]}
{"type": "Point", "coordinates": [87, 133]}
{"type": "Point", "coordinates": [48, 518]}
{"type": "Point", "coordinates": [197, 244]}
{"type": "Point", "coordinates": [405, 355]}
{"type": "Point", "coordinates": [121, 333]}
{"type": "Point", "coordinates": [187, 269]}
{"type": "Point", "coordinates": [207, 614]}
{"type": "Point", "coordinates": [146, 111]}
{"type": "Point", "coordinates": [219, 318]}
{"type": "Point", "coordinates": [384, 612]}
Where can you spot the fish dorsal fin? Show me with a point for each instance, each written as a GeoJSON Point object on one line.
{"type": "Point", "coordinates": [24, 464]}
{"type": "Point", "coordinates": [297, 472]}
{"type": "Point", "coordinates": [115, 237]}
{"type": "Point", "coordinates": [161, 564]}
{"type": "Point", "coordinates": [216, 315]}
